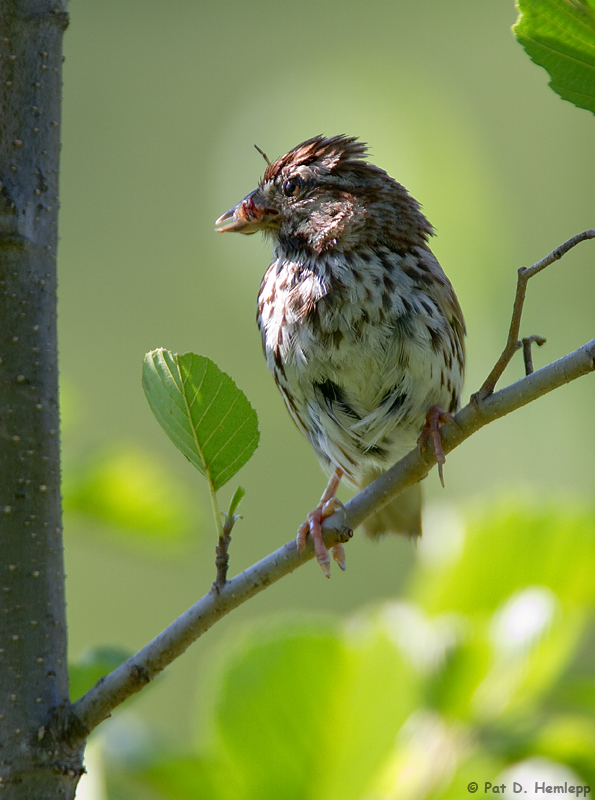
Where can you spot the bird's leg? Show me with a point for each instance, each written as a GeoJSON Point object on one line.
{"type": "Point", "coordinates": [327, 506]}
{"type": "Point", "coordinates": [431, 430]}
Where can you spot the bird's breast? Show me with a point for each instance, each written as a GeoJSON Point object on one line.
{"type": "Point", "coordinates": [305, 306]}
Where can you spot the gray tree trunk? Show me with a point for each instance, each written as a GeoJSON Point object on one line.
{"type": "Point", "coordinates": [34, 762]}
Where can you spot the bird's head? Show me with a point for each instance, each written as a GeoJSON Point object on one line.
{"type": "Point", "coordinates": [324, 195]}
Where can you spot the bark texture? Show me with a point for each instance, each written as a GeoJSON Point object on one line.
{"type": "Point", "coordinates": [33, 670]}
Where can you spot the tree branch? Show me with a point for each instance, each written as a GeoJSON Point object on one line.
{"type": "Point", "coordinates": [527, 341]}
{"type": "Point", "coordinates": [130, 677]}
{"type": "Point", "coordinates": [513, 344]}
{"type": "Point", "coordinates": [468, 421]}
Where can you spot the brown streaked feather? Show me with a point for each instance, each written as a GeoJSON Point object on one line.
{"type": "Point", "coordinates": [361, 327]}
{"type": "Point", "coordinates": [332, 151]}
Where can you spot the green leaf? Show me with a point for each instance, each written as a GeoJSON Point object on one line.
{"type": "Point", "coordinates": [513, 547]}
{"type": "Point", "coordinates": [202, 411]}
{"type": "Point", "coordinates": [272, 713]}
{"type": "Point", "coordinates": [236, 500]}
{"type": "Point", "coordinates": [93, 665]}
{"type": "Point", "coordinates": [373, 697]}
{"type": "Point", "coordinates": [517, 564]}
{"type": "Point", "coordinates": [559, 35]}
{"type": "Point", "coordinates": [182, 778]}
{"type": "Point", "coordinates": [570, 739]}
{"type": "Point", "coordinates": [305, 710]}
{"type": "Point", "coordinates": [127, 488]}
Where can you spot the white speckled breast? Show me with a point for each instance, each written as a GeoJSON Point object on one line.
{"type": "Point", "coordinates": [361, 348]}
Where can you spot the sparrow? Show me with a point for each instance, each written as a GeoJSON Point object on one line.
{"type": "Point", "coordinates": [361, 329]}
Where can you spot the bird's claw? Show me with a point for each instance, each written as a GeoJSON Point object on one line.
{"type": "Point", "coordinates": [339, 555]}
{"type": "Point", "coordinates": [431, 430]}
{"type": "Point", "coordinates": [313, 526]}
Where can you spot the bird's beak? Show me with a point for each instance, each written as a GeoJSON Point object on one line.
{"type": "Point", "coordinates": [250, 215]}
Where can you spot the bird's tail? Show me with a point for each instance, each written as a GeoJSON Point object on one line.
{"type": "Point", "coordinates": [402, 515]}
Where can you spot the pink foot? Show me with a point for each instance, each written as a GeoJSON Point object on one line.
{"type": "Point", "coordinates": [327, 506]}
{"type": "Point", "coordinates": [312, 526]}
{"type": "Point", "coordinates": [431, 430]}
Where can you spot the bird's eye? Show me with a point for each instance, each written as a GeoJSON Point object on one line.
{"type": "Point", "coordinates": [292, 186]}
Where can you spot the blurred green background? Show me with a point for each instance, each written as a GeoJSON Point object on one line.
{"type": "Point", "coordinates": [162, 105]}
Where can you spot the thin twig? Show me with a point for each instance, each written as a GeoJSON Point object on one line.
{"type": "Point", "coordinates": [527, 341]}
{"type": "Point", "coordinates": [513, 344]}
{"type": "Point", "coordinates": [97, 704]}
{"type": "Point", "coordinates": [221, 561]}
{"type": "Point", "coordinates": [225, 529]}
{"type": "Point", "coordinates": [222, 552]}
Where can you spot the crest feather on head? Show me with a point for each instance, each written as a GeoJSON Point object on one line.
{"type": "Point", "coordinates": [328, 152]}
